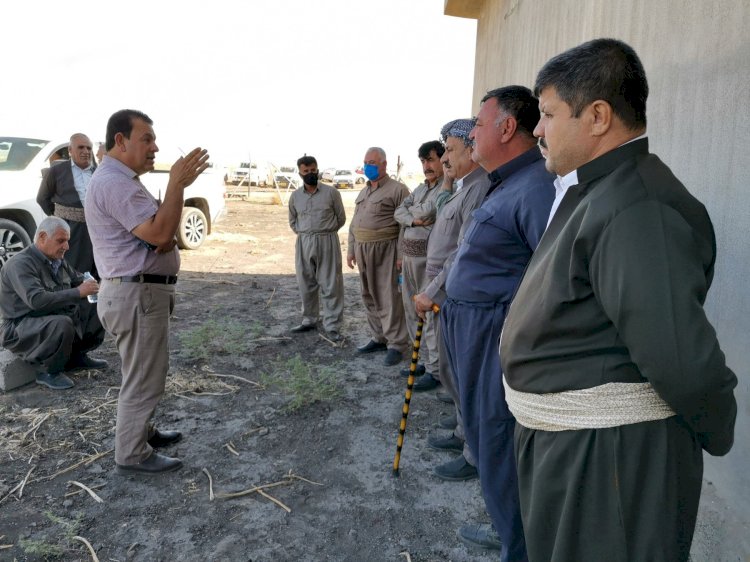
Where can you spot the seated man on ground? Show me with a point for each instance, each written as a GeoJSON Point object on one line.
{"type": "Point", "coordinates": [46, 317]}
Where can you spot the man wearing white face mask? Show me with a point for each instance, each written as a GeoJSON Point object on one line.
{"type": "Point", "coordinates": [373, 248]}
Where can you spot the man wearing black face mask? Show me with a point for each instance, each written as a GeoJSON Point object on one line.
{"type": "Point", "coordinates": [316, 213]}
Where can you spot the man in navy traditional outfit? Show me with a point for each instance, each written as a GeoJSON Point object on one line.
{"type": "Point", "coordinates": [488, 266]}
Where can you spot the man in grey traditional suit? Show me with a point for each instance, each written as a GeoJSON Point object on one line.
{"type": "Point", "coordinates": [316, 213]}
{"type": "Point", "coordinates": [46, 318]}
{"type": "Point", "coordinates": [416, 215]}
{"type": "Point", "coordinates": [62, 192]}
{"type": "Point", "coordinates": [469, 187]}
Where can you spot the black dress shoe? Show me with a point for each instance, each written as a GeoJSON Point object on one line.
{"type": "Point", "coordinates": [334, 336]}
{"type": "Point", "coordinates": [155, 464]}
{"type": "Point", "coordinates": [418, 373]}
{"type": "Point", "coordinates": [84, 362]}
{"type": "Point", "coordinates": [481, 536]}
{"type": "Point", "coordinates": [371, 347]}
{"type": "Point", "coordinates": [444, 396]}
{"type": "Point", "coordinates": [302, 328]}
{"type": "Point", "coordinates": [164, 438]}
{"type": "Point", "coordinates": [393, 357]}
{"type": "Point", "coordinates": [55, 381]}
{"type": "Point", "coordinates": [450, 443]}
{"type": "Point", "coordinates": [448, 422]}
{"type": "Point", "coordinates": [456, 470]}
{"type": "Point", "coordinates": [425, 382]}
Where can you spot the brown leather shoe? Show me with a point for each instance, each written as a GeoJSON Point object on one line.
{"type": "Point", "coordinates": [154, 464]}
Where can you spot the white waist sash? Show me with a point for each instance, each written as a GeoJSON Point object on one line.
{"type": "Point", "coordinates": [608, 405]}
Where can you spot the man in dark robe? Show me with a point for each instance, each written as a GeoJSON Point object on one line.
{"type": "Point", "coordinates": [62, 192]}
{"type": "Point", "coordinates": [611, 368]}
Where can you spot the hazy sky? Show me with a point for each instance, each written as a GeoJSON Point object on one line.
{"type": "Point", "coordinates": [268, 79]}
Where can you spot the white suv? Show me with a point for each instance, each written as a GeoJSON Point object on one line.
{"type": "Point", "coordinates": [22, 160]}
{"type": "Point", "coordinates": [21, 163]}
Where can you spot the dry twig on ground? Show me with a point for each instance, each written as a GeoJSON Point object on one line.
{"type": "Point", "coordinates": [92, 410]}
{"type": "Point", "coordinates": [290, 477]}
{"type": "Point", "coordinates": [88, 490]}
{"type": "Point", "coordinates": [82, 462]}
{"type": "Point", "coordinates": [88, 545]}
{"type": "Point", "coordinates": [233, 377]}
{"type": "Point", "coordinates": [19, 486]}
{"type": "Point", "coordinates": [271, 297]}
{"type": "Point", "coordinates": [210, 485]}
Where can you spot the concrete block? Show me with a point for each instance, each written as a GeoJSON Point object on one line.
{"type": "Point", "coordinates": [13, 371]}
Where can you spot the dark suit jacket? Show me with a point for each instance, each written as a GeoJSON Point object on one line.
{"type": "Point", "coordinates": [58, 187]}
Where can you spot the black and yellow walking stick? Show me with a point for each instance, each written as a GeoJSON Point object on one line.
{"type": "Point", "coordinates": [409, 386]}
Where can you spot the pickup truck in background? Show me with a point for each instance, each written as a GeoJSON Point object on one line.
{"type": "Point", "coordinates": [22, 162]}
{"type": "Point", "coordinates": [249, 173]}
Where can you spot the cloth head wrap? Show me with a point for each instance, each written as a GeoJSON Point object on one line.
{"type": "Point", "coordinates": [459, 128]}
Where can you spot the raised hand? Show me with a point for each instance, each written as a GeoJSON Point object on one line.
{"type": "Point", "coordinates": [188, 167]}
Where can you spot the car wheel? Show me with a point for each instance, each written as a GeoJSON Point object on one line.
{"type": "Point", "coordinates": [13, 239]}
{"type": "Point", "coordinates": [192, 230]}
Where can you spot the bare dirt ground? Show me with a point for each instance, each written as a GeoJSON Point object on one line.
{"type": "Point", "coordinates": [309, 420]}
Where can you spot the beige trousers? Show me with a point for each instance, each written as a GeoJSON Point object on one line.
{"type": "Point", "coordinates": [414, 280]}
{"type": "Point", "coordinates": [378, 277]}
{"type": "Point", "coordinates": [137, 315]}
{"type": "Point", "coordinates": [317, 259]}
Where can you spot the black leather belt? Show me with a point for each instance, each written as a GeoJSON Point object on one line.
{"type": "Point", "coordinates": [146, 278]}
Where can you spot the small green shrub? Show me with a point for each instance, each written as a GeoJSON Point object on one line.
{"type": "Point", "coordinates": [304, 383]}
{"type": "Point", "coordinates": [48, 550]}
{"type": "Point", "coordinates": [225, 337]}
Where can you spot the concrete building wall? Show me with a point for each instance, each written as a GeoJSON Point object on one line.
{"type": "Point", "coordinates": [697, 59]}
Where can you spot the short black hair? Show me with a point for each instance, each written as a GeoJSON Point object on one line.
{"type": "Point", "coordinates": [602, 69]}
{"type": "Point", "coordinates": [306, 161]}
{"type": "Point", "coordinates": [122, 122]}
{"type": "Point", "coordinates": [519, 102]}
{"type": "Point", "coordinates": [429, 146]}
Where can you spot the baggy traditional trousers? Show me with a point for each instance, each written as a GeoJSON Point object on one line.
{"type": "Point", "coordinates": [317, 260]}
{"type": "Point", "coordinates": [413, 269]}
{"type": "Point", "coordinates": [471, 332]}
{"type": "Point", "coordinates": [448, 380]}
{"type": "Point", "coordinates": [52, 340]}
{"type": "Point", "coordinates": [378, 276]}
{"type": "Point", "coordinates": [618, 494]}
{"type": "Point", "coordinates": [81, 254]}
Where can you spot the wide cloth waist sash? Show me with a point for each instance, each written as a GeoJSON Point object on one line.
{"type": "Point", "coordinates": [609, 405]}
{"type": "Point", "coordinates": [380, 234]}
{"type": "Point", "coordinates": [414, 248]}
{"type": "Point", "coordinates": [69, 213]}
